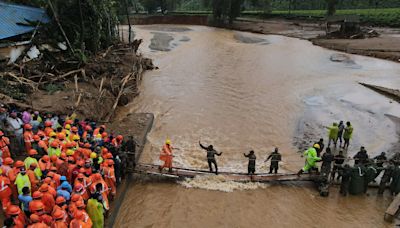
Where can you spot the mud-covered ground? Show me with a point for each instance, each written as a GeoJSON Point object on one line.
{"type": "Point", "coordinates": [386, 46]}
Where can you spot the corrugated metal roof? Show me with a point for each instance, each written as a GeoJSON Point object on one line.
{"type": "Point", "coordinates": [11, 14]}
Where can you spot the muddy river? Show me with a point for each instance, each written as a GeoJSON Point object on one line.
{"type": "Point", "coordinates": [241, 91]}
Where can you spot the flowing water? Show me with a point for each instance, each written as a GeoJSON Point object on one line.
{"type": "Point", "coordinates": [242, 91]}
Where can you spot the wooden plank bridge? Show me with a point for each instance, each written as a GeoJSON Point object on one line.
{"type": "Point", "coordinates": [180, 173]}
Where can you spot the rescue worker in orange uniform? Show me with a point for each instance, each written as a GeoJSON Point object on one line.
{"type": "Point", "coordinates": [28, 137]}
{"type": "Point", "coordinates": [61, 205]}
{"type": "Point", "coordinates": [59, 219]}
{"type": "Point", "coordinates": [117, 142]}
{"type": "Point", "coordinates": [36, 222]}
{"type": "Point", "coordinates": [54, 178]}
{"type": "Point", "coordinates": [48, 128]}
{"type": "Point", "coordinates": [78, 222]}
{"type": "Point", "coordinates": [166, 156]}
{"type": "Point", "coordinates": [79, 189]}
{"type": "Point", "coordinates": [44, 164]}
{"type": "Point", "coordinates": [36, 207]}
{"type": "Point", "coordinates": [99, 130]}
{"type": "Point", "coordinates": [109, 176]}
{"type": "Point", "coordinates": [80, 206]}
{"type": "Point", "coordinates": [33, 178]}
{"type": "Point", "coordinates": [4, 143]}
{"type": "Point", "coordinates": [100, 187]}
{"type": "Point", "coordinates": [47, 198]}
{"type": "Point", "coordinates": [74, 132]}
{"type": "Point", "coordinates": [14, 212]}
{"type": "Point", "coordinates": [72, 205]}
{"type": "Point", "coordinates": [5, 190]}
{"type": "Point", "coordinates": [41, 145]}
{"type": "Point", "coordinates": [8, 170]}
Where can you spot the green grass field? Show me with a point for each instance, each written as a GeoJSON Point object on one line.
{"type": "Point", "coordinates": [379, 17]}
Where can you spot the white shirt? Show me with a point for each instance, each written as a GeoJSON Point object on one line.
{"type": "Point", "coordinates": [16, 125]}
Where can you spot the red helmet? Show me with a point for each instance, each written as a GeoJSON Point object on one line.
{"type": "Point", "coordinates": [54, 144]}
{"type": "Point", "coordinates": [1, 133]}
{"type": "Point", "coordinates": [28, 127]}
{"type": "Point", "coordinates": [37, 195]}
{"type": "Point", "coordinates": [8, 161]}
{"type": "Point", "coordinates": [32, 152]}
{"type": "Point", "coordinates": [48, 124]}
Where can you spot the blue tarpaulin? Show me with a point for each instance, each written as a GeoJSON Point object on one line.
{"type": "Point", "coordinates": [12, 16]}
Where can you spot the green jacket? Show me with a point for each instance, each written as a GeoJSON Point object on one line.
{"type": "Point", "coordinates": [348, 132]}
{"type": "Point", "coordinates": [96, 213]}
{"type": "Point", "coordinates": [311, 156]}
{"type": "Point", "coordinates": [54, 151]}
{"type": "Point", "coordinates": [333, 132]}
{"type": "Point", "coordinates": [22, 181]}
{"type": "Point", "coordinates": [28, 161]}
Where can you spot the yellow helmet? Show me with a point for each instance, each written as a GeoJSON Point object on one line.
{"type": "Point", "coordinates": [70, 152]}
{"type": "Point", "coordinates": [76, 137]}
{"type": "Point", "coordinates": [93, 155]}
{"type": "Point", "coordinates": [52, 134]}
{"type": "Point", "coordinates": [1, 171]}
{"type": "Point", "coordinates": [168, 142]}
{"type": "Point", "coordinates": [68, 126]}
{"type": "Point", "coordinates": [317, 146]}
{"type": "Point", "coordinates": [98, 136]}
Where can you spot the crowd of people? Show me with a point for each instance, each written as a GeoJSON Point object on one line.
{"type": "Point", "coordinates": [58, 171]}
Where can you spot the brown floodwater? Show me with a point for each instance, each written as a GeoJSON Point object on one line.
{"type": "Point", "coordinates": [242, 91]}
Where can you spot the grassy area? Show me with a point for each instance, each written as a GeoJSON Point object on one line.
{"type": "Point", "coordinates": [379, 17]}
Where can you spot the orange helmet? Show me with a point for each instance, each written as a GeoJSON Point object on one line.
{"type": "Point", "coordinates": [8, 161]}
{"type": "Point", "coordinates": [80, 163]}
{"type": "Point", "coordinates": [61, 136]}
{"type": "Point", "coordinates": [104, 150]}
{"type": "Point", "coordinates": [80, 176]}
{"type": "Point", "coordinates": [104, 135]}
{"type": "Point", "coordinates": [32, 152]}
{"type": "Point", "coordinates": [78, 187]}
{"type": "Point", "coordinates": [48, 124]}
{"type": "Point", "coordinates": [19, 164]}
{"type": "Point", "coordinates": [79, 204]}
{"type": "Point", "coordinates": [76, 198]}
{"type": "Point", "coordinates": [28, 127]}
{"type": "Point", "coordinates": [87, 145]}
{"type": "Point", "coordinates": [36, 138]}
{"type": "Point", "coordinates": [54, 169]}
{"type": "Point", "coordinates": [34, 218]}
{"type": "Point", "coordinates": [44, 188]}
{"type": "Point", "coordinates": [53, 158]}
{"type": "Point", "coordinates": [37, 195]}
{"type": "Point", "coordinates": [60, 200]}
{"type": "Point", "coordinates": [46, 158]}
{"type": "Point", "coordinates": [68, 145]}
{"type": "Point", "coordinates": [71, 159]}
{"type": "Point", "coordinates": [108, 156]}
{"type": "Point", "coordinates": [54, 144]}
{"type": "Point", "coordinates": [120, 137]}
{"type": "Point", "coordinates": [13, 210]}
{"type": "Point", "coordinates": [63, 155]}
{"type": "Point", "coordinates": [88, 128]}
{"type": "Point", "coordinates": [50, 174]}
{"type": "Point", "coordinates": [40, 134]}
{"type": "Point", "coordinates": [58, 214]}
{"type": "Point", "coordinates": [110, 162]}
{"type": "Point", "coordinates": [1, 133]}
{"type": "Point", "coordinates": [36, 205]}
{"type": "Point", "coordinates": [33, 165]}
{"type": "Point", "coordinates": [78, 215]}
{"type": "Point", "coordinates": [68, 122]}
{"type": "Point", "coordinates": [82, 170]}
{"type": "Point", "coordinates": [74, 129]}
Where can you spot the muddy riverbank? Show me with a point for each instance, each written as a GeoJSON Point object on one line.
{"type": "Point", "coordinates": [386, 46]}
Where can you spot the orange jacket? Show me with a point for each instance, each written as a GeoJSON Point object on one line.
{"type": "Point", "coordinates": [48, 202]}
{"type": "Point", "coordinates": [166, 152]}
{"type": "Point", "coordinates": [75, 223]}
{"type": "Point", "coordinates": [33, 179]}
{"type": "Point", "coordinates": [20, 221]}
{"type": "Point", "coordinates": [5, 190]}
{"type": "Point", "coordinates": [59, 224]}
{"type": "Point", "coordinates": [28, 139]}
{"type": "Point", "coordinates": [4, 143]}
{"type": "Point", "coordinates": [109, 178]}
{"type": "Point", "coordinates": [44, 165]}
{"type": "Point", "coordinates": [48, 130]}
{"type": "Point", "coordinates": [38, 225]}
{"type": "Point", "coordinates": [42, 144]}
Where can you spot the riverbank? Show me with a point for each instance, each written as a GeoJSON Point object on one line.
{"type": "Point", "coordinates": [386, 46]}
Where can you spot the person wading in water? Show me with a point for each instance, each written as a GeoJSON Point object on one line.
{"type": "Point", "coordinates": [211, 157]}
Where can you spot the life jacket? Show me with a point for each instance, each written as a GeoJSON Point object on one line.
{"type": "Point", "coordinates": [4, 150]}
